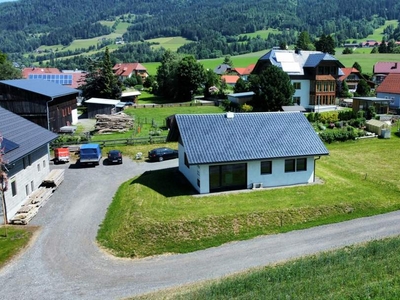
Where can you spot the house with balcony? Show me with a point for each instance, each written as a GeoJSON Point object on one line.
{"type": "Point", "coordinates": [314, 75]}
{"type": "Point", "coordinates": [127, 70]}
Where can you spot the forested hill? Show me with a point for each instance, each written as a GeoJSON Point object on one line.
{"type": "Point", "coordinates": [27, 24]}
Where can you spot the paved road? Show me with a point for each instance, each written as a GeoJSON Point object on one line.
{"type": "Point", "coordinates": [65, 263]}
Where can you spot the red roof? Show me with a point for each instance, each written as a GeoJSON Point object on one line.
{"type": "Point", "coordinates": [240, 71]}
{"type": "Point", "coordinates": [347, 72]}
{"type": "Point", "coordinates": [390, 84]}
{"type": "Point", "coordinates": [126, 69]}
{"type": "Point", "coordinates": [230, 79]}
{"type": "Point", "coordinates": [245, 71]}
{"type": "Point", "coordinates": [36, 70]}
{"type": "Point", "coordinates": [386, 67]}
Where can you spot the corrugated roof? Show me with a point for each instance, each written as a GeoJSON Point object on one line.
{"type": "Point", "coordinates": [42, 87]}
{"type": "Point", "coordinates": [243, 94]}
{"type": "Point", "coordinates": [214, 138]}
{"type": "Point", "coordinates": [27, 135]}
{"type": "Point", "coordinates": [102, 101]}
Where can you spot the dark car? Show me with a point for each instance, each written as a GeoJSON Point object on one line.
{"type": "Point", "coordinates": [159, 154]}
{"type": "Point", "coordinates": [114, 157]}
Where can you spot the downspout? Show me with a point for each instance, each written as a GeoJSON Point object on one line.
{"type": "Point", "coordinates": [319, 157]}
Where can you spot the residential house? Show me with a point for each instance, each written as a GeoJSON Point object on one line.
{"type": "Point", "coordinates": [230, 79]}
{"type": "Point", "coordinates": [240, 98]}
{"type": "Point", "coordinates": [127, 70]}
{"type": "Point", "coordinates": [69, 78]}
{"type": "Point", "coordinates": [26, 152]}
{"type": "Point", "coordinates": [244, 72]}
{"type": "Point", "coordinates": [312, 73]}
{"type": "Point", "coordinates": [222, 69]}
{"type": "Point", "coordinates": [390, 89]}
{"type": "Point", "coordinates": [43, 102]}
{"type": "Point", "coordinates": [233, 151]}
{"type": "Point", "coordinates": [352, 77]}
{"type": "Point", "coordinates": [383, 69]}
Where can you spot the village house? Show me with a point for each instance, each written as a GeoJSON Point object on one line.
{"type": "Point", "coordinates": [254, 150]}
{"type": "Point", "coordinates": [127, 70]}
{"type": "Point", "coordinates": [312, 73]}
{"type": "Point", "coordinates": [25, 147]}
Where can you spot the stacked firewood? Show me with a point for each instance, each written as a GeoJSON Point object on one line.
{"type": "Point", "coordinates": [119, 122]}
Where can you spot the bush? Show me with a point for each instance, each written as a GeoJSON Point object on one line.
{"type": "Point", "coordinates": [329, 117]}
{"type": "Point", "coordinates": [340, 135]}
{"type": "Point", "coordinates": [311, 117]}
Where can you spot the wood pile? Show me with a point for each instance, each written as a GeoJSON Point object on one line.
{"type": "Point", "coordinates": [119, 122]}
{"type": "Point", "coordinates": [38, 198]}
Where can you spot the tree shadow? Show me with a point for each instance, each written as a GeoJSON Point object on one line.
{"type": "Point", "coordinates": [167, 182]}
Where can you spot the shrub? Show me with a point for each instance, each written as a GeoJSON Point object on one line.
{"type": "Point", "coordinates": [329, 117]}
{"type": "Point", "coordinates": [311, 117]}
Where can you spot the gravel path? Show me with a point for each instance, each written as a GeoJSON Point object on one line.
{"type": "Point", "coordinates": [64, 261]}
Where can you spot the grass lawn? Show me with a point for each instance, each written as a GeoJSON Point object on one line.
{"type": "Point", "coordinates": [157, 212]}
{"type": "Point", "coordinates": [369, 271]}
{"type": "Point", "coordinates": [17, 238]}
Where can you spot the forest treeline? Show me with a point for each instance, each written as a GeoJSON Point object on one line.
{"type": "Point", "coordinates": [213, 26]}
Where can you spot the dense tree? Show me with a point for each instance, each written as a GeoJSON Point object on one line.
{"type": "Point", "coordinates": [357, 66]}
{"type": "Point", "coordinates": [383, 47]}
{"type": "Point", "coordinates": [325, 44]}
{"type": "Point", "coordinates": [7, 70]}
{"type": "Point", "coordinates": [272, 89]}
{"type": "Point", "coordinates": [228, 61]}
{"type": "Point", "coordinates": [101, 82]}
{"type": "Point", "coordinates": [347, 51]}
{"type": "Point", "coordinates": [304, 41]}
{"type": "Point", "coordinates": [212, 83]}
{"type": "Point", "coordinates": [363, 89]}
{"type": "Point", "coordinates": [241, 86]}
{"type": "Point", "coordinates": [344, 90]}
{"type": "Point", "coordinates": [190, 75]}
{"type": "Point", "coordinates": [166, 72]}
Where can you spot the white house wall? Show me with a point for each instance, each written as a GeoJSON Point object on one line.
{"type": "Point", "coordinates": [26, 180]}
{"type": "Point", "coordinates": [74, 114]}
{"type": "Point", "coordinates": [303, 93]}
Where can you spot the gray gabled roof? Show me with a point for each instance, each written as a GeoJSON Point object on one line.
{"type": "Point", "coordinates": [23, 135]}
{"type": "Point", "coordinates": [40, 86]}
{"type": "Point", "coordinates": [216, 138]}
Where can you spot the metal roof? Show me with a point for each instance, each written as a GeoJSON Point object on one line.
{"type": "Point", "coordinates": [102, 101]}
{"type": "Point", "coordinates": [130, 94]}
{"type": "Point", "coordinates": [240, 95]}
{"type": "Point", "coordinates": [42, 87]}
{"type": "Point", "coordinates": [26, 135]}
{"type": "Point", "coordinates": [216, 138]}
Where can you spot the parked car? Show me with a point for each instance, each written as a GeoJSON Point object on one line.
{"type": "Point", "coordinates": [160, 154]}
{"type": "Point", "coordinates": [114, 157]}
{"type": "Point", "coordinates": [90, 154]}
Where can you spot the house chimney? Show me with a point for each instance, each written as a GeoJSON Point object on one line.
{"type": "Point", "coordinates": [230, 115]}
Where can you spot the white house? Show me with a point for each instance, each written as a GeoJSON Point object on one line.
{"type": "Point", "coordinates": [25, 147]}
{"type": "Point", "coordinates": [219, 152]}
{"type": "Point", "coordinates": [313, 74]}
{"type": "Point", "coordinates": [390, 89]}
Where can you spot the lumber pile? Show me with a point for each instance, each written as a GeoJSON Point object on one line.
{"type": "Point", "coordinates": [38, 198]}
{"type": "Point", "coordinates": [119, 122]}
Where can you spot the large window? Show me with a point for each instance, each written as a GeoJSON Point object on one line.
{"type": "Point", "coordinates": [296, 100]}
{"type": "Point", "coordinates": [228, 177]}
{"type": "Point", "coordinates": [266, 167]}
{"type": "Point", "coordinates": [295, 165]}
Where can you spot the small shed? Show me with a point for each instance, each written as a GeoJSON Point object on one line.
{"type": "Point", "coordinates": [377, 127]}
{"type": "Point", "coordinates": [240, 98]}
{"type": "Point", "coordinates": [97, 106]}
{"type": "Point", "coordinates": [130, 96]}
{"type": "Point", "coordinates": [298, 108]}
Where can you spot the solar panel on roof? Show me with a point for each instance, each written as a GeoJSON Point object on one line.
{"type": "Point", "coordinates": [8, 145]}
{"type": "Point", "coordinates": [281, 57]}
{"type": "Point", "coordinates": [64, 79]}
{"type": "Point", "coordinates": [291, 67]}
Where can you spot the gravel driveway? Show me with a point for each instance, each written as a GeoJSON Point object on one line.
{"type": "Point", "coordinates": [64, 261]}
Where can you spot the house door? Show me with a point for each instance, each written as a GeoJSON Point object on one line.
{"type": "Point", "coordinates": [228, 177]}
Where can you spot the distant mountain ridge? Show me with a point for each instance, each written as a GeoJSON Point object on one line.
{"type": "Point", "coordinates": [211, 24]}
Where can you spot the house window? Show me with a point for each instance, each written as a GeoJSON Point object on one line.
{"type": "Point", "coordinates": [38, 167]}
{"type": "Point", "coordinates": [13, 187]}
{"type": "Point", "coordinates": [26, 161]}
{"type": "Point", "coordinates": [27, 189]}
{"type": "Point", "coordinates": [296, 100]}
{"type": "Point", "coordinates": [186, 161]}
{"type": "Point", "coordinates": [290, 165]}
{"type": "Point", "coordinates": [297, 85]}
{"type": "Point", "coordinates": [44, 164]}
{"type": "Point", "coordinates": [198, 182]}
{"type": "Point", "coordinates": [32, 186]}
{"type": "Point", "coordinates": [301, 164]}
{"type": "Point", "coordinates": [266, 167]}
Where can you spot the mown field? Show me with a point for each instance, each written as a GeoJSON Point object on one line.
{"type": "Point", "coordinates": [13, 240]}
{"type": "Point", "coordinates": [158, 212]}
{"type": "Point", "coordinates": [369, 271]}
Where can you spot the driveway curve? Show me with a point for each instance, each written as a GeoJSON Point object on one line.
{"type": "Point", "coordinates": [64, 261]}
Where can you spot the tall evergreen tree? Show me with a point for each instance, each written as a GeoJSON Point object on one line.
{"type": "Point", "coordinates": [382, 47]}
{"type": "Point", "coordinates": [304, 42]}
{"type": "Point", "coordinates": [357, 66]}
{"type": "Point", "coordinates": [7, 70]}
{"type": "Point", "coordinates": [363, 89]}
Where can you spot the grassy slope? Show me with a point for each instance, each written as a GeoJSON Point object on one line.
{"type": "Point", "coordinates": [370, 271]}
{"type": "Point", "coordinates": [155, 212]}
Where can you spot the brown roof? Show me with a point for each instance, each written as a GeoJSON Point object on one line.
{"type": "Point", "coordinates": [36, 70]}
{"type": "Point", "coordinates": [230, 79]}
{"type": "Point", "coordinates": [125, 69]}
{"type": "Point", "coordinates": [324, 77]}
{"type": "Point", "coordinates": [347, 72]}
{"type": "Point", "coordinates": [390, 84]}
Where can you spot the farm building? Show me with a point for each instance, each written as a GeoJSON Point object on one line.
{"type": "Point", "coordinates": [253, 150]}
{"type": "Point", "coordinates": [45, 103]}
{"type": "Point", "coordinates": [240, 98]}
{"type": "Point", "coordinates": [101, 106]}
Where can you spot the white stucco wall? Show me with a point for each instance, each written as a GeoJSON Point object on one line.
{"type": "Point", "coordinates": [303, 93]}
{"type": "Point", "coordinates": [74, 114]}
{"type": "Point", "coordinates": [26, 180]}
